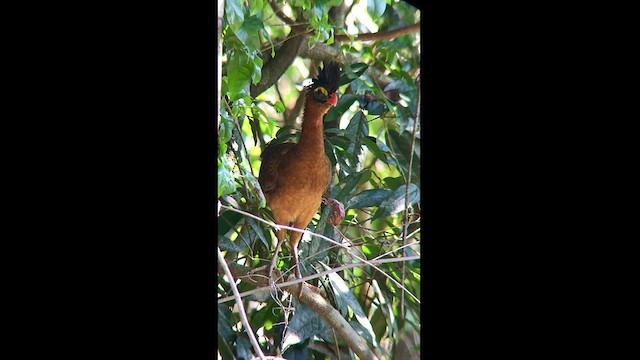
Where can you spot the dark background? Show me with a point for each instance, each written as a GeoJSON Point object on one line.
{"type": "Point", "coordinates": [121, 142]}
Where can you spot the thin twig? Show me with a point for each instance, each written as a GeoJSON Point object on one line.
{"type": "Point", "coordinates": [312, 298]}
{"type": "Point", "coordinates": [320, 274]}
{"type": "Point", "coordinates": [277, 227]}
{"type": "Point", "coordinates": [406, 198]}
{"type": "Point", "coordinates": [394, 250]}
{"type": "Point", "coordinates": [243, 314]}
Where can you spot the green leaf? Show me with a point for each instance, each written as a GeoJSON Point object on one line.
{"type": "Point", "coordinates": [395, 203]}
{"type": "Point", "coordinates": [234, 13]}
{"type": "Point", "coordinates": [225, 244]}
{"type": "Point", "coordinates": [239, 71]}
{"type": "Point", "coordinates": [358, 69]}
{"type": "Point", "coordinates": [393, 182]}
{"type": "Point", "coordinates": [401, 143]}
{"type": "Point", "coordinates": [304, 324]}
{"type": "Point", "coordinates": [344, 103]}
{"type": "Point", "coordinates": [226, 180]}
{"type": "Point", "coordinates": [255, 6]}
{"type": "Point", "coordinates": [282, 139]}
{"type": "Point", "coordinates": [257, 70]}
{"type": "Point", "coordinates": [371, 250]}
{"type": "Point", "coordinates": [341, 141]}
{"type": "Point", "coordinates": [331, 39]}
{"type": "Point", "coordinates": [260, 115]}
{"type": "Point", "coordinates": [304, 4]}
{"type": "Point", "coordinates": [279, 106]}
{"type": "Point", "coordinates": [249, 33]}
{"type": "Point", "coordinates": [376, 108]}
{"type": "Point", "coordinates": [366, 333]}
{"type": "Point", "coordinates": [357, 128]}
{"type": "Point", "coordinates": [227, 220]}
{"type": "Point", "coordinates": [226, 127]}
{"type": "Point", "coordinates": [329, 150]}
{"type": "Point", "coordinates": [351, 72]}
{"type": "Point", "coordinates": [345, 298]}
{"type": "Point", "coordinates": [253, 123]}
{"type": "Point", "coordinates": [350, 182]}
{"type": "Point", "coordinates": [256, 228]}
{"type": "Point", "coordinates": [379, 323]}
{"type": "Point", "coordinates": [285, 130]}
{"type": "Point", "coordinates": [368, 198]}
{"type": "Point", "coordinates": [298, 352]}
{"type": "Point", "coordinates": [244, 348]}
{"type": "Point", "coordinates": [401, 121]}
{"type": "Point", "coordinates": [374, 145]}
{"type": "Point", "coordinates": [225, 324]}
{"type": "Point", "coordinates": [223, 347]}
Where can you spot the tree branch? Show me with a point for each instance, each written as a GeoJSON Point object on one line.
{"type": "Point", "coordinates": [243, 314]}
{"type": "Point", "coordinates": [278, 11]}
{"type": "Point", "coordinates": [274, 68]}
{"type": "Point", "coordinates": [379, 35]}
{"type": "Point", "coordinates": [327, 53]}
{"type": "Point", "coordinates": [278, 227]}
{"type": "Point", "coordinates": [310, 296]}
{"type": "Point", "coordinates": [292, 47]}
{"type": "Point", "coordinates": [263, 285]}
{"type": "Point", "coordinates": [406, 197]}
{"type": "Point", "coordinates": [337, 322]}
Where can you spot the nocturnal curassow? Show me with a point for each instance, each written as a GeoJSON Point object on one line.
{"type": "Point", "coordinates": [294, 176]}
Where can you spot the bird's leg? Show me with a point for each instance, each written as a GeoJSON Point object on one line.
{"type": "Point", "coordinates": [294, 241]}
{"type": "Point", "coordinates": [274, 260]}
{"type": "Point", "coordinates": [296, 262]}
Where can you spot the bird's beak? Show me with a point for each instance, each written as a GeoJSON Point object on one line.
{"type": "Point", "coordinates": [333, 99]}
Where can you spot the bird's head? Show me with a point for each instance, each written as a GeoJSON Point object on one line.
{"type": "Point", "coordinates": [323, 88]}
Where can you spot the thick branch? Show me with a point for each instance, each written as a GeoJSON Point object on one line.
{"type": "Point", "coordinates": [310, 296]}
{"type": "Point", "coordinates": [278, 11]}
{"type": "Point", "coordinates": [292, 47]}
{"type": "Point", "coordinates": [273, 70]}
{"type": "Point", "coordinates": [337, 322]}
{"type": "Point", "coordinates": [379, 35]}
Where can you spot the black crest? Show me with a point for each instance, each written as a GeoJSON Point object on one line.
{"type": "Point", "coordinates": [328, 77]}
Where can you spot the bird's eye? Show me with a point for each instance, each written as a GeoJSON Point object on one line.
{"type": "Point", "coordinates": [320, 94]}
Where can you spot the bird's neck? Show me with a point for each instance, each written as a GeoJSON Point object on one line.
{"type": "Point", "coordinates": [312, 136]}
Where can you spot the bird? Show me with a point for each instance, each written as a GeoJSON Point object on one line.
{"type": "Point", "coordinates": [294, 176]}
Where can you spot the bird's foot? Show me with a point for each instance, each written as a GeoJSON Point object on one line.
{"type": "Point", "coordinates": [299, 276]}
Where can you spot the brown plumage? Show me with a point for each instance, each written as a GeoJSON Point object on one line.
{"type": "Point", "coordinates": [294, 176]}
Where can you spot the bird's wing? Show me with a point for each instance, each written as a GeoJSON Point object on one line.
{"type": "Point", "coordinates": [331, 171]}
{"type": "Point", "coordinates": [269, 169]}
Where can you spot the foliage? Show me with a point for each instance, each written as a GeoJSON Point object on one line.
{"type": "Point", "coordinates": [370, 138]}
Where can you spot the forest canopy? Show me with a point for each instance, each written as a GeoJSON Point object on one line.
{"type": "Point", "coordinates": [367, 267]}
